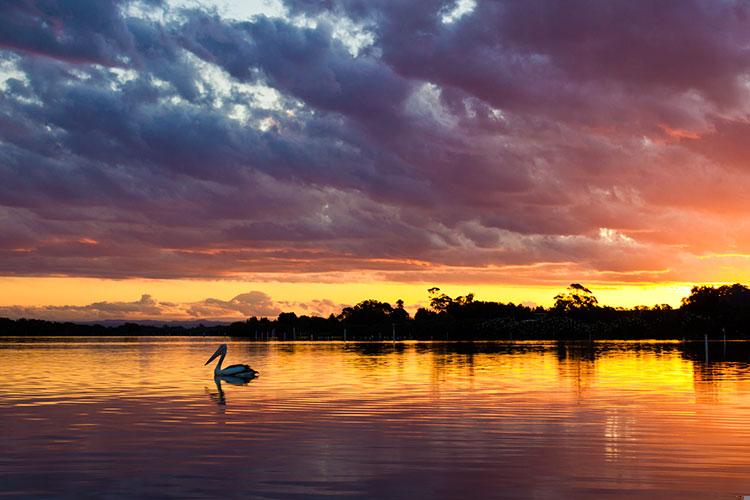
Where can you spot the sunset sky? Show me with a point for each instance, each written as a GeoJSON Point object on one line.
{"type": "Point", "coordinates": [184, 159]}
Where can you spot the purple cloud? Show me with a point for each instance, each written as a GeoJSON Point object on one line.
{"type": "Point", "coordinates": [604, 139]}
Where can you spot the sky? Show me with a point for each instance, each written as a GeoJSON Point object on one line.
{"type": "Point", "coordinates": [185, 159]}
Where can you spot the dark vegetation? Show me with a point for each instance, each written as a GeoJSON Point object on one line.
{"type": "Point", "coordinates": [576, 314]}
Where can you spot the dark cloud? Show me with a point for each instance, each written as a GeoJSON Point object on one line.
{"type": "Point", "coordinates": [78, 32]}
{"type": "Point", "coordinates": [140, 140]}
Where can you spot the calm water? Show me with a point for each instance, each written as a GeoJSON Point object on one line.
{"type": "Point", "coordinates": [144, 417]}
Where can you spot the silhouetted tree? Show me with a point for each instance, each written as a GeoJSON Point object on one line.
{"type": "Point", "coordinates": [439, 301]}
{"type": "Point", "coordinates": [576, 298]}
{"type": "Point", "coordinates": [712, 308]}
{"type": "Point", "coordinates": [367, 312]}
{"type": "Point", "coordinates": [287, 318]}
{"type": "Point", "coordinates": [399, 314]}
{"type": "Point", "coordinates": [424, 314]}
{"type": "Point", "coordinates": [714, 301]}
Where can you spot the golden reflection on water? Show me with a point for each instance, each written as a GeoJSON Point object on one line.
{"type": "Point", "coordinates": [375, 419]}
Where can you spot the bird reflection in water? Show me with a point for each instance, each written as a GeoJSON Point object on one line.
{"type": "Point", "coordinates": [219, 396]}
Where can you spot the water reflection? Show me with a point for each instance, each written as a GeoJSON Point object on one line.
{"type": "Point", "coordinates": [219, 396]}
{"type": "Point", "coordinates": [408, 420]}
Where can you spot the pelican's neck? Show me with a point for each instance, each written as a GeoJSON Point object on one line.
{"type": "Point", "coordinates": [218, 365]}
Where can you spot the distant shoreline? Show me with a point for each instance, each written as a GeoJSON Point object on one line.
{"type": "Point", "coordinates": [545, 328]}
{"type": "Point", "coordinates": [717, 313]}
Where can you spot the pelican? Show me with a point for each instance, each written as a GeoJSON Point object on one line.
{"type": "Point", "coordinates": [240, 371]}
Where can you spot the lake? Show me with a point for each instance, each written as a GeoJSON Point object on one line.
{"type": "Point", "coordinates": [125, 418]}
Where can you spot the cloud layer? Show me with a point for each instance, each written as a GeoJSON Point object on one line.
{"type": "Point", "coordinates": [524, 142]}
{"type": "Point", "coordinates": [243, 306]}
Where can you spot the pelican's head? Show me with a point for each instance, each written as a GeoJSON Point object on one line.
{"type": "Point", "coordinates": [221, 350]}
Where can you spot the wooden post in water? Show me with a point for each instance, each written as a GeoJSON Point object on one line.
{"type": "Point", "coordinates": [705, 341]}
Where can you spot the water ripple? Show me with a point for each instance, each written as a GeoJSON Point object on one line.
{"type": "Point", "coordinates": [144, 417]}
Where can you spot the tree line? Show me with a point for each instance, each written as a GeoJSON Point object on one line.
{"type": "Point", "coordinates": [576, 313]}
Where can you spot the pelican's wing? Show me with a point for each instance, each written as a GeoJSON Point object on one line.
{"type": "Point", "coordinates": [235, 369]}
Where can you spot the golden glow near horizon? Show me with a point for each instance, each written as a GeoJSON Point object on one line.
{"type": "Point", "coordinates": [29, 293]}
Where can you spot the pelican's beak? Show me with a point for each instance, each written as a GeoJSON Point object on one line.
{"type": "Point", "coordinates": [216, 355]}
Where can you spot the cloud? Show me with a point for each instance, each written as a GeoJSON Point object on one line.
{"type": "Point", "coordinates": [316, 307]}
{"type": "Point", "coordinates": [407, 140]}
{"type": "Point", "coordinates": [246, 304]}
{"type": "Point", "coordinates": [70, 31]}
{"type": "Point", "coordinates": [242, 306]}
{"type": "Point", "coordinates": [145, 308]}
